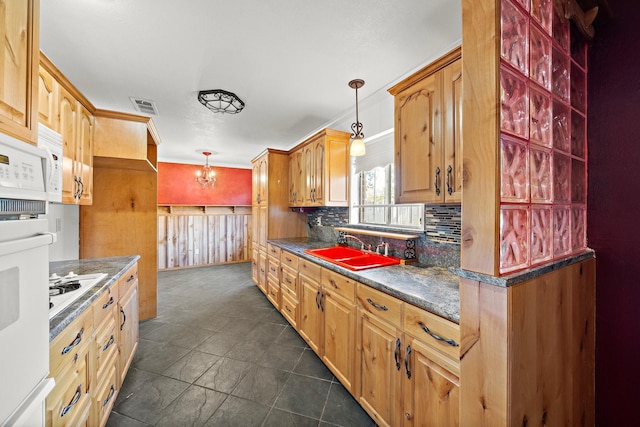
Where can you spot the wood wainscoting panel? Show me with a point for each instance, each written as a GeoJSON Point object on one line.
{"type": "Point", "coordinates": [186, 239]}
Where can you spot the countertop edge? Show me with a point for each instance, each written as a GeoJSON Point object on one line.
{"type": "Point", "coordinates": [115, 267]}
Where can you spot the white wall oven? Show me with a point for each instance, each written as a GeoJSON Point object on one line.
{"type": "Point", "coordinates": [24, 272]}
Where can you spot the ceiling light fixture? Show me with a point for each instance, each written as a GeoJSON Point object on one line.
{"type": "Point", "coordinates": [357, 137]}
{"type": "Point", "coordinates": [206, 176]}
{"type": "Point", "coordinates": [221, 101]}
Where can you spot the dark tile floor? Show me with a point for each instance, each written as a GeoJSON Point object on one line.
{"type": "Point", "coordinates": [219, 354]}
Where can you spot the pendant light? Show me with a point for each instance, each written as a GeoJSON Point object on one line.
{"type": "Point", "coordinates": [357, 137]}
{"type": "Point", "coordinates": [206, 176]}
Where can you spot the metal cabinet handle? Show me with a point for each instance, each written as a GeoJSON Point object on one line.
{"type": "Point", "coordinates": [333, 283]}
{"type": "Point", "coordinates": [111, 393]}
{"type": "Point", "coordinates": [406, 362]}
{"type": "Point", "coordinates": [449, 187]}
{"type": "Point", "coordinates": [74, 400]}
{"type": "Point", "coordinates": [286, 307]}
{"type": "Point", "coordinates": [108, 303]}
{"type": "Point", "coordinates": [124, 318]}
{"type": "Point", "coordinates": [396, 353]}
{"type": "Point", "coordinates": [378, 306]}
{"type": "Point", "coordinates": [74, 343]}
{"type": "Point", "coordinates": [437, 182]}
{"type": "Point", "coordinates": [437, 337]}
{"type": "Point", "coordinates": [318, 299]}
{"type": "Point", "coordinates": [132, 277]}
{"type": "Point", "coordinates": [322, 294]}
{"type": "Point", "coordinates": [108, 344]}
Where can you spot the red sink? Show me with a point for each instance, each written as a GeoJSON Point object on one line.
{"type": "Point", "coordinates": [353, 259]}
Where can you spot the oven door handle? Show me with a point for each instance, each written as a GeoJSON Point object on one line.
{"type": "Point", "coordinates": [14, 246]}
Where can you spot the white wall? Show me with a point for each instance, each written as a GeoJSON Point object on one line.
{"type": "Point", "coordinates": [64, 220]}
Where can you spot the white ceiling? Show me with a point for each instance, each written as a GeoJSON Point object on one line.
{"type": "Point", "coordinates": [288, 60]}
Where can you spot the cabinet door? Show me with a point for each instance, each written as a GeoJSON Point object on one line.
{"type": "Point", "coordinates": [19, 77]}
{"type": "Point", "coordinates": [84, 150]}
{"type": "Point", "coordinates": [310, 313]}
{"type": "Point", "coordinates": [254, 264]}
{"type": "Point", "coordinates": [67, 110]}
{"type": "Point", "coordinates": [255, 183]}
{"type": "Point", "coordinates": [296, 179]}
{"type": "Point", "coordinates": [47, 100]}
{"type": "Point", "coordinates": [418, 142]}
{"type": "Point", "coordinates": [452, 132]}
{"type": "Point", "coordinates": [255, 227]}
{"type": "Point", "coordinates": [339, 338]}
{"type": "Point", "coordinates": [379, 362]}
{"type": "Point", "coordinates": [128, 329]}
{"type": "Point", "coordinates": [263, 167]}
{"type": "Point", "coordinates": [318, 172]}
{"type": "Point", "coordinates": [263, 226]}
{"type": "Point", "coordinates": [431, 392]}
{"type": "Point", "coordinates": [309, 177]}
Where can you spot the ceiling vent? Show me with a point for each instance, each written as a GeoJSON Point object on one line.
{"type": "Point", "coordinates": [144, 106]}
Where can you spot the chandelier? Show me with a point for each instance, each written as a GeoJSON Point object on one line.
{"type": "Point", "coordinates": [221, 101]}
{"type": "Point", "coordinates": [206, 176]}
{"type": "Point", "coordinates": [357, 137]}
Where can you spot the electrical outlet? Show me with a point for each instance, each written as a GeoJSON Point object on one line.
{"type": "Point", "coordinates": [318, 221]}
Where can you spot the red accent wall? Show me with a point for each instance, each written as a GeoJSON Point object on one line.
{"type": "Point", "coordinates": [177, 186]}
{"type": "Point", "coordinates": [613, 206]}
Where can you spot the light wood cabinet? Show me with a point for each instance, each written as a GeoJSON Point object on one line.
{"type": "Point", "coordinates": [19, 31]}
{"type": "Point", "coordinates": [319, 169]}
{"type": "Point", "coordinates": [428, 123]}
{"type": "Point", "coordinates": [128, 321]}
{"type": "Point", "coordinates": [289, 306]}
{"type": "Point", "coordinates": [48, 89]}
{"type": "Point", "coordinates": [310, 328]}
{"type": "Point", "coordinates": [273, 275]}
{"type": "Point", "coordinates": [123, 218]}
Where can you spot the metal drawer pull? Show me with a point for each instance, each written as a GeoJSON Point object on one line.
{"type": "Point", "coordinates": [108, 303]}
{"type": "Point", "coordinates": [437, 181]}
{"type": "Point", "coordinates": [333, 283]}
{"type": "Point", "coordinates": [124, 318]}
{"type": "Point", "coordinates": [449, 187]}
{"type": "Point", "coordinates": [396, 353]}
{"type": "Point", "coordinates": [111, 393]}
{"type": "Point", "coordinates": [71, 404]}
{"type": "Point", "coordinates": [437, 337]}
{"type": "Point", "coordinates": [378, 306]}
{"type": "Point", "coordinates": [108, 344]}
{"type": "Point", "coordinates": [287, 280]}
{"type": "Point", "coordinates": [74, 343]}
{"type": "Point", "coordinates": [406, 362]}
{"type": "Point", "coordinates": [288, 259]}
{"type": "Point", "coordinates": [286, 307]}
{"type": "Point", "coordinates": [132, 277]}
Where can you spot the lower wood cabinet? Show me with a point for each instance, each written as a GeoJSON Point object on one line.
{"type": "Point", "coordinates": [90, 357]}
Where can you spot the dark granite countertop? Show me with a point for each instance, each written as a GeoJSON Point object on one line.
{"type": "Point", "coordinates": [432, 288]}
{"type": "Point", "coordinates": [115, 267]}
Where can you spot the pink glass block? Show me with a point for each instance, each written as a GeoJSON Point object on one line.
{"type": "Point", "coordinates": [578, 88]}
{"type": "Point", "coordinates": [560, 78]}
{"type": "Point", "coordinates": [541, 117]}
{"type": "Point", "coordinates": [561, 32]}
{"type": "Point", "coordinates": [524, 4]}
{"type": "Point", "coordinates": [540, 54]}
{"type": "Point", "coordinates": [514, 165]}
{"type": "Point", "coordinates": [540, 175]}
{"type": "Point", "coordinates": [561, 136]}
{"type": "Point", "coordinates": [578, 48]}
{"type": "Point", "coordinates": [541, 234]}
{"type": "Point", "coordinates": [561, 231]}
{"type": "Point", "coordinates": [514, 37]}
{"type": "Point", "coordinates": [514, 99]}
{"type": "Point", "coordinates": [578, 181]}
{"type": "Point", "coordinates": [561, 178]}
{"type": "Point", "coordinates": [578, 139]}
{"type": "Point", "coordinates": [578, 228]}
{"type": "Point", "coordinates": [514, 238]}
{"type": "Point", "coordinates": [542, 12]}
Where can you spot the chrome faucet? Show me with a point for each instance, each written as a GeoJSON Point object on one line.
{"type": "Point", "coordinates": [363, 246]}
{"type": "Point", "coordinates": [384, 245]}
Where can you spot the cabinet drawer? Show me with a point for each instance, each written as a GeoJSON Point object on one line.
{"type": "Point", "coordinates": [433, 330]}
{"type": "Point", "coordinates": [105, 395]}
{"type": "Point", "coordinates": [309, 269]}
{"type": "Point", "coordinates": [65, 349]}
{"type": "Point", "coordinates": [69, 402]}
{"type": "Point", "coordinates": [273, 250]}
{"type": "Point", "coordinates": [128, 279]}
{"type": "Point", "coordinates": [105, 346]}
{"type": "Point", "coordinates": [105, 305]}
{"type": "Point", "coordinates": [273, 268]}
{"type": "Point", "coordinates": [380, 304]}
{"type": "Point", "coordinates": [289, 309]}
{"type": "Point", "coordinates": [339, 284]}
{"type": "Point", "coordinates": [289, 282]}
{"type": "Point", "coordinates": [290, 260]}
{"type": "Point", "coordinates": [273, 292]}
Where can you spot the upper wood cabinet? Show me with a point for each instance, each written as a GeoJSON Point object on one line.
{"type": "Point", "coordinates": [319, 170]}
{"type": "Point", "coordinates": [48, 90]}
{"type": "Point", "coordinates": [19, 22]}
{"type": "Point", "coordinates": [428, 123]}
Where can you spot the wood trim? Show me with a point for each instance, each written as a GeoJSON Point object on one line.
{"type": "Point", "coordinates": [436, 65]}
{"type": "Point", "coordinates": [64, 81]}
{"type": "Point", "coordinates": [121, 115]}
{"type": "Point", "coordinates": [320, 134]}
{"type": "Point", "coordinates": [269, 150]}
{"type": "Point", "coordinates": [481, 124]}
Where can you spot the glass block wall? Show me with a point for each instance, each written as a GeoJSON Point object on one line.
{"type": "Point", "coordinates": [543, 146]}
